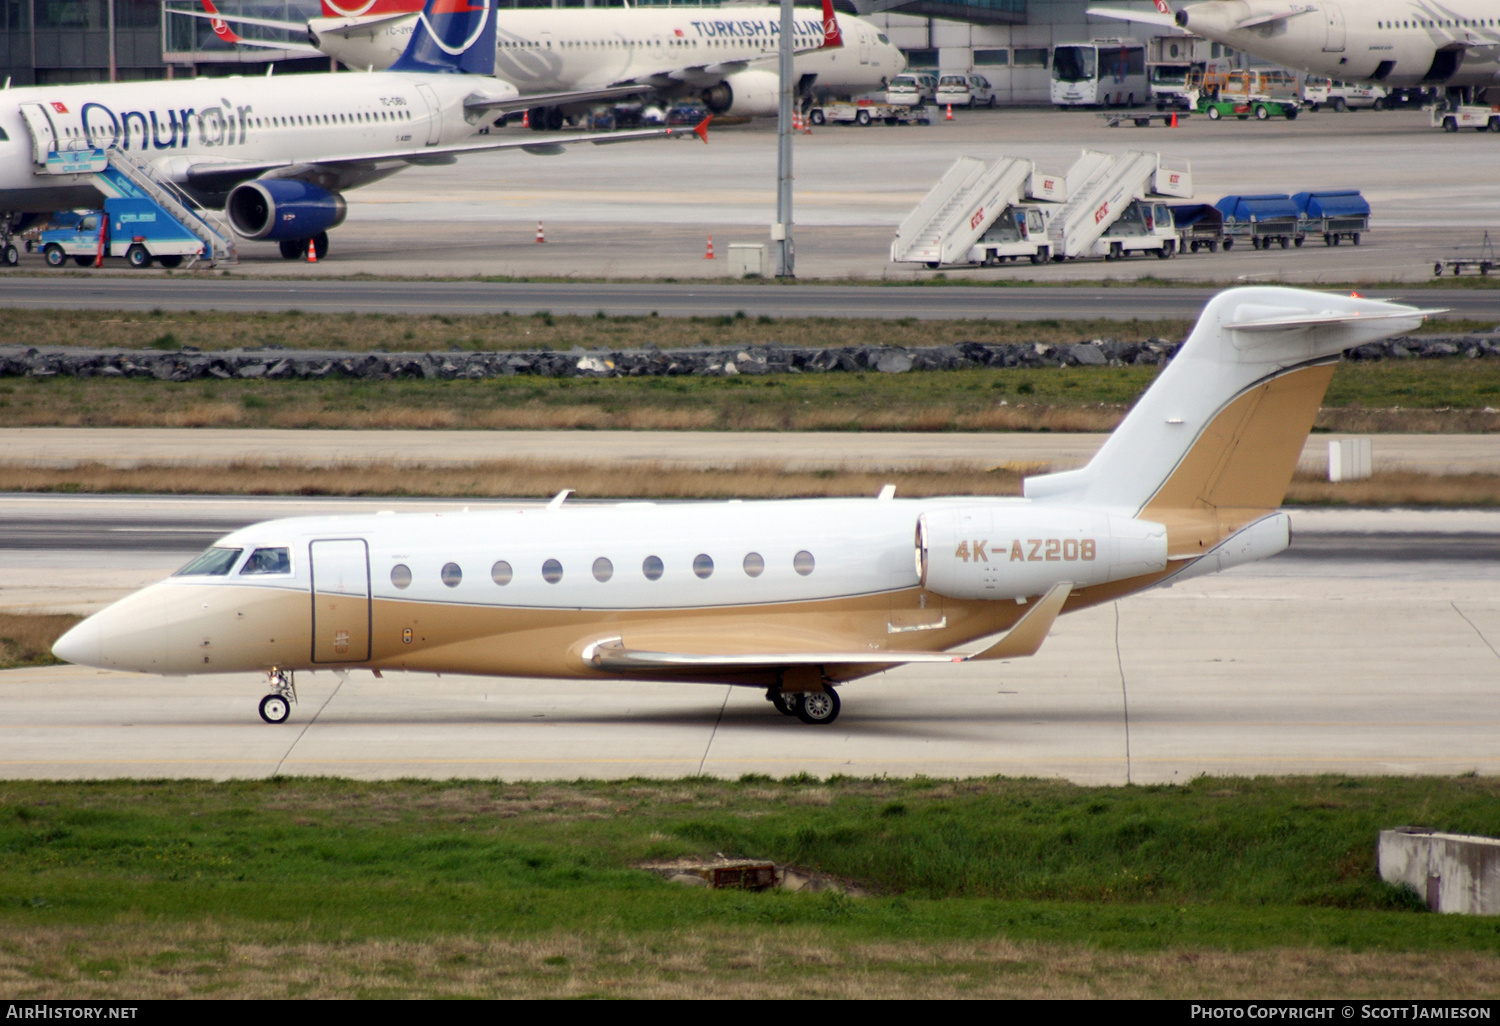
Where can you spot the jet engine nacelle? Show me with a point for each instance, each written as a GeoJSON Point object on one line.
{"type": "Point", "coordinates": [1009, 552]}
{"type": "Point", "coordinates": [275, 209]}
{"type": "Point", "coordinates": [749, 93]}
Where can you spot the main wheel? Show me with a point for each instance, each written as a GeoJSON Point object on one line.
{"type": "Point", "coordinates": [137, 256]}
{"type": "Point", "coordinates": [292, 249]}
{"type": "Point", "coordinates": [818, 706]}
{"type": "Point", "coordinates": [54, 255]}
{"type": "Point", "coordinates": [84, 261]}
{"type": "Point", "coordinates": [786, 702]}
{"type": "Point", "coordinates": [320, 245]}
{"type": "Point", "coordinates": [275, 709]}
{"type": "Point", "coordinates": [11, 255]}
{"type": "Point", "coordinates": [862, 117]}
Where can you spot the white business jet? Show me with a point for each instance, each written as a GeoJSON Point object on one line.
{"type": "Point", "coordinates": [1397, 43]}
{"type": "Point", "coordinates": [277, 153]}
{"type": "Point", "coordinates": [793, 597]}
{"type": "Point", "coordinates": [726, 57]}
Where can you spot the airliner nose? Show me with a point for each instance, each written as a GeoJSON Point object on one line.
{"type": "Point", "coordinates": [129, 635]}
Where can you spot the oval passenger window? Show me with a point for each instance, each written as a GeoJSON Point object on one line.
{"type": "Point", "coordinates": [401, 575]}
{"type": "Point", "coordinates": [755, 565]}
{"type": "Point", "coordinates": [803, 563]}
{"type": "Point", "coordinates": [501, 573]}
{"type": "Point", "coordinates": [452, 574]}
{"type": "Point", "coordinates": [651, 566]}
{"type": "Point", "coordinates": [603, 569]}
{"type": "Point", "coordinates": [552, 571]}
{"type": "Point", "coordinates": [703, 565]}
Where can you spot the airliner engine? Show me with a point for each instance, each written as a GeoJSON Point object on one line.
{"type": "Point", "coordinates": [750, 93]}
{"type": "Point", "coordinates": [990, 552]}
{"type": "Point", "coordinates": [282, 209]}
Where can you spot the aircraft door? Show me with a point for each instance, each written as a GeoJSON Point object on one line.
{"type": "Point", "coordinates": [1334, 15]}
{"type": "Point", "coordinates": [341, 600]}
{"type": "Point", "coordinates": [434, 112]}
{"type": "Point", "coordinates": [866, 51]}
{"type": "Point", "coordinates": [43, 135]}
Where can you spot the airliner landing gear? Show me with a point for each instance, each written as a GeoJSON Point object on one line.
{"type": "Point", "coordinates": [296, 249]}
{"type": "Point", "coordinates": [10, 253]}
{"type": "Point", "coordinates": [818, 706]}
{"type": "Point", "coordinates": [786, 702]}
{"type": "Point", "coordinates": [277, 706]}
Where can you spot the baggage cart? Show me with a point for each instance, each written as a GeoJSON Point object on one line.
{"type": "Point", "coordinates": [1264, 220]}
{"type": "Point", "coordinates": [1199, 225]}
{"type": "Point", "coordinates": [1483, 261]}
{"type": "Point", "coordinates": [1343, 214]}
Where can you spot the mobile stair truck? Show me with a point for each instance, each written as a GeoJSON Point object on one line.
{"type": "Point", "coordinates": [1264, 220]}
{"type": "Point", "coordinates": [1110, 210]}
{"type": "Point", "coordinates": [1333, 215]}
{"type": "Point", "coordinates": [145, 219]}
{"type": "Point", "coordinates": [977, 213]}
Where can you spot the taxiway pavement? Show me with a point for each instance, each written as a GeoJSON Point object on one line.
{"type": "Point", "coordinates": [1372, 647]}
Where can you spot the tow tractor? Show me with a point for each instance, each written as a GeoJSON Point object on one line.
{"type": "Point", "coordinates": [1451, 115]}
{"type": "Point", "coordinates": [842, 112]}
{"type": "Point", "coordinates": [126, 227]}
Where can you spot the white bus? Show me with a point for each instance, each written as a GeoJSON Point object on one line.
{"type": "Point", "coordinates": [1103, 72]}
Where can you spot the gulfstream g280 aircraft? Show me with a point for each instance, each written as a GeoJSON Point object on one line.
{"type": "Point", "coordinates": [795, 597]}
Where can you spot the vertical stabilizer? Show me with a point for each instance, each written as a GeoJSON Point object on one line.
{"type": "Point", "coordinates": [452, 37]}
{"type": "Point", "coordinates": [1215, 440]}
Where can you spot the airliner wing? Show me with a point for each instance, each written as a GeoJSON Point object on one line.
{"type": "Point", "coordinates": [285, 26]}
{"type": "Point", "coordinates": [1022, 640]}
{"type": "Point", "coordinates": [555, 99]}
{"type": "Point", "coordinates": [1144, 17]}
{"type": "Point", "coordinates": [220, 175]}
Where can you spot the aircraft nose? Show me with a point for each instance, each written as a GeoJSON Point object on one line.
{"type": "Point", "coordinates": [79, 645]}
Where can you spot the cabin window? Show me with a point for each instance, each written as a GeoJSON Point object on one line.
{"type": "Point", "coordinates": [755, 565]}
{"type": "Point", "coordinates": [451, 574]}
{"type": "Point", "coordinates": [603, 569]}
{"type": "Point", "coordinates": [216, 562]}
{"type": "Point", "coordinates": [401, 575]}
{"type": "Point", "coordinates": [652, 567]}
{"type": "Point", "coordinates": [501, 573]}
{"type": "Point", "coordinates": [552, 571]}
{"type": "Point", "coordinates": [703, 565]}
{"type": "Point", "coordinates": [269, 561]}
{"type": "Point", "coordinates": [803, 562]}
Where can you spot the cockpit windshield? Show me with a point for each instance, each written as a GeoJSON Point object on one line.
{"type": "Point", "coordinates": [216, 562]}
{"type": "Point", "coordinates": [268, 561]}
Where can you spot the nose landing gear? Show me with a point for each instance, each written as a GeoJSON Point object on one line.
{"type": "Point", "coordinates": [277, 706]}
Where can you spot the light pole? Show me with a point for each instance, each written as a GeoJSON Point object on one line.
{"type": "Point", "coordinates": [781, 231]}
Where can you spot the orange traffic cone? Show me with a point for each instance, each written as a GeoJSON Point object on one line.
{"type": "Point", "coordinates": [526, 119]}
{"type": "Point", "coordinates": [949, 116]}
{"type": "Point", "coordinates": [541, 236]}
{"type": "Point", "coordinates": [312, 251]}
{"type": "Point", "coordinates": [796, 121]}
{"type": "Point", "coordinates": [1174, 119]}
{"type": "Point", "coordinates": [710, 254]}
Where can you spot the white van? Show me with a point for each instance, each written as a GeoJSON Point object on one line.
{"type": "Point", "coordinates": [1319, 92]}
{"type": "Point", "coordinates": [964, 91]}
{"type": "Point", "coordinates": [911, 89]}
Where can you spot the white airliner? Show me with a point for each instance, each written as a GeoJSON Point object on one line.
{"type": "Point", "coordinates": [277, 153]}
{"type": "Point", "coordinates": [725, 56]}
{"type": "Point", "coordinates": [1397, 43]}
{"type": "Point", "coordinates": [794, 597]}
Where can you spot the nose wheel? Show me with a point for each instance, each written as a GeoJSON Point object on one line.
{"type": "Point", "coordinates": [277, 706]}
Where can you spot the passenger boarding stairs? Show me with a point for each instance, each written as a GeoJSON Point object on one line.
{"type": "Point", "coordinates": [1100, 189]}
{"type": "Point", "coordinates": [127, 176]}
{"type": "Point", "coordinates": [963, 205]}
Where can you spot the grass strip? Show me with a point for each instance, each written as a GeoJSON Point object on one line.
{"type": "Point", "coordinates": [1453, 395]}
{"type": "Point", "coordinates": [326, 886]}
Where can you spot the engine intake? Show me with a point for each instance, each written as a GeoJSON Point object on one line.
{"type": "Point", "coordinates": [749, 93]}
{"type": "Point", "coordinates": [277, 209]}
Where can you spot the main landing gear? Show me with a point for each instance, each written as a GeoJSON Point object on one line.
{"type": "Point", "coordinates": [814, 707]}
{"type": "Point", "coordinates": [277, 706]}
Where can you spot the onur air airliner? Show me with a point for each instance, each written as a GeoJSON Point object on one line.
{"type": "Point", "coordinates": [797, 598]}
{"type": "Point", "coordinates": [725, 56]}
{"type": "Point", "coordinates": [1397, 43]}
{"type": "Point", "coordinates": [278, 152]}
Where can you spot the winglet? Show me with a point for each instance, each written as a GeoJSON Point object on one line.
{"type": "Point", "coordinates": [1026, 637]}
{"type": "Point", "coordinates": [560, 498]}
{"type": "Point", "coordinates": [832, 37]}
{"type": "Point", "coordinates": [701, 128]}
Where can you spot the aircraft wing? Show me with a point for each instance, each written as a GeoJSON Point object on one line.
{"type": "Point", "coordinates": [361, 24]}
{"type": "Point", "coordinates": [222, 175]}
{"type": "Point", "coordinates": [1023, 639]}
{"type": "Point", "coordinates": [1144, 17]}
{"type": "Point", "coordinates": [299, 27]}
{"type": "Point", "coordinates": [555, 99]}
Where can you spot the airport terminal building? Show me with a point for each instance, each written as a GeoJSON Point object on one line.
{"type": "Point", "coordinates": [58, 41]}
